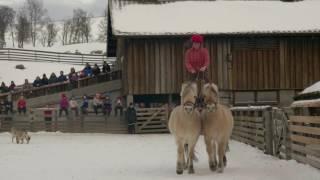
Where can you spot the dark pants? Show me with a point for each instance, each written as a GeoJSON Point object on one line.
{"type": "Point", "coordinates": [84, 110]}
{"type": "Point", "coordinates": [20, 110]}
{"type": "Point", "coordinates": [131, 129]}
{"type": "Point", "coordinates": [65, 110]}
{"type": "Point", "coordinates": [116, 110]}
{"type": "Point", "coordinates": [96, 107]}
{"type": "Point", "coordinates": [199, 76]}
{"type": "Point", "coordinates": [75, 110]}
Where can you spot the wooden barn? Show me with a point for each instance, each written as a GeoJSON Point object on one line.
{"type": "Point", "coordinates": [256, 57]}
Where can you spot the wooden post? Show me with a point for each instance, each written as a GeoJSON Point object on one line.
{"type": "Point", "coordinates": [268, 130]}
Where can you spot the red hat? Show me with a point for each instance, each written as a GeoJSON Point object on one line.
{"type": "Point", "coordinates": [197, 38]}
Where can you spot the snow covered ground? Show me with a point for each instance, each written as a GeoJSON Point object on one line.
{"type": "Point", "coordinates": [58, 156]}
{"type": "Point", "coordinates": [8, 72]}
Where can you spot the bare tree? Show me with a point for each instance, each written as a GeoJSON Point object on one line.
{"type": "Point", "coordinates": [23, 28]}
{"type": "Point", "coordinates": [52, 33]}
{"type": "Point", "coordinates": [36, 12]}
{"type": "Point", "coordinates": [7, 15]}
{"type": "Point", "coordinates": [81, 22]}
{"type": "Point", "coordinates": [103, 32]}
{"type": "Point", "coordinates": [65, 31]}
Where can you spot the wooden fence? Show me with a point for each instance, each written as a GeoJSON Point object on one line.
{"type": "Point", "coordinates": [304, 133]}
{"type": "Point", "coordinates": [47, 56]}
{"type": "Point", "coordinates": [35, 121]}
{"type": "Point", "coordinates": [152, 120]}
{"type": "Point", "coordinates": [285, 133]}
{"type": "Point", "coordinates": [253, 126]}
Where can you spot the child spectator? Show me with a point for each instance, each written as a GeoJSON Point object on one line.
{"type": "Point", "coordinates": [84, 105]}
{"type": "Point", "coordinates": [22, 105]}
{"type": "Point", "coordinates": [64, 105]}
{"type": "Point", "coordinates": [74, 106]}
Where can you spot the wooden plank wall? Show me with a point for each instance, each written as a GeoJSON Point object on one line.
{"type": "Point", "coordinates": [152, 120]}
{"type": "Point", "coordinates": [255, 66]}
{"type": "Point", "coordinates": [156, 66]}
{"type": "Point", "coordinates": [301, 62]}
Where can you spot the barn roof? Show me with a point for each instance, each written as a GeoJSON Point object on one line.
{"type": "Point", "coordinates": [152, 17]}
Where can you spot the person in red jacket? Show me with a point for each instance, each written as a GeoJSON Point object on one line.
{"type": "Point", "coordinates": [197, 59]}
{"type": "Point", "coordinates": [22, 105]}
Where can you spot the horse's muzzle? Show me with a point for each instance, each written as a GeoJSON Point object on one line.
{"type": "Point", "coordinates": [211, 107]}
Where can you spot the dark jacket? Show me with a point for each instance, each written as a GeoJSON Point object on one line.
{"type": "Point", "coordinates": [62, 78]}
{"type": "Point", "coordinates": [87, 71]}
{"type": "Point", "coordinates": [45, 81]}
{"type": "Point", "coordinates": [53, 79]}
{"type": "Point", "coordinates": [37, 83]}
{"type": "Point", "coordinates": [96, 71]}
{"type": "Point", "coordinates": [106, 68]}
{"type": "Point", "coordinates": [131, 116]}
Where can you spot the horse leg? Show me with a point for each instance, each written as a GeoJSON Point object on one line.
{"type": "Point", "coordinates": [221, 155]}
{"type": "Point", "coordinates": [180, 160]}
{"type": "Point", "coordinates": [191, 157]}
{"type": "Point", "coordinates": [211, 150]}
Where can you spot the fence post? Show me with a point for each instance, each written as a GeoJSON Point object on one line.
{"type": "Point", "coordinates": [82, 59]}
{"type": "Point", "coordinates": [8, 54]}
{"type": "Point", "coordinates": [267, 114]}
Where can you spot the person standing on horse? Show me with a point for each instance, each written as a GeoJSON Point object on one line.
{"type": "Point", "coordinates": [197, 59]}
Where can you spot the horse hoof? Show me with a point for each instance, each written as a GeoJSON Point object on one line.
{"type": "Point", "coordinates": [191, 171]}
{"type": "Point", "coordinates": [213, 167]}
{"type": "Point", "coordinates": [179, 172]}
{"type": "Point", "coordinates": [220, 170]}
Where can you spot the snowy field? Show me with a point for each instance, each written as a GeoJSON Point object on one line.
{"type": "Point", "coordinates": [58, 156]}
{"type": "Point", "coordinates": [8, 72]}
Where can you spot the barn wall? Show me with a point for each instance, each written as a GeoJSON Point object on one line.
{"type": "Point", "coordinates": [156, 65]}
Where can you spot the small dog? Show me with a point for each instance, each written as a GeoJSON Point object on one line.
{"type": "Point", "coordinates": [20, 135]}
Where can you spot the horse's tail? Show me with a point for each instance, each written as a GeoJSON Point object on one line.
{"type": "Point", "coordinates": [186, 150]}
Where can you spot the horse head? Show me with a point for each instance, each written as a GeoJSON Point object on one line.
{"type": "Point", "coordinates": [189, 93]}
{"type": "Point", "coordinates": [210, 96]}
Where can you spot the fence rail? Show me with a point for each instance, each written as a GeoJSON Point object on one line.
{"type": "Point", "coordinates": [152, 120]}
{"type": "Point", "coordinates": [47, 56]}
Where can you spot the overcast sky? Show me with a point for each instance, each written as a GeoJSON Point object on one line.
{"type": "Point", "coordinates": [62, 9]}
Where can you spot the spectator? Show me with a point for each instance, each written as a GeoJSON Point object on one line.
{"type": "Point", "coordinates": [106, 67]}
{"type": "Point", "coordinates": [74, 106]}
{"type": "Point", "coordinates": [73, 78]}
{"type": "Point", "coordinates": [22, 105]}
{"type": "Point", "coordinates": [26, 85]}
{"type": "Point", "coordinates": [9, 102]}
{"type": "Point", "coordinates": [62, 77]}
{"type": "Point", "coordinates": [53, 78]}
{"type": "Point", "coordinates": [2, 106]}
{"type": "Point", "coordinates": [37, 82]}
{"type": "Point", "coordinates": [84, 105]}
{"type": "Point", "coordinates": [4, 88]}
{"type": "Point", "coordinates": [131, 117]}
{"type": "Point", "coordinates": [119, 105]}
{"type": "Point", "coordinates": [64, 105]}
{"type": "Point", "coordinates": [87, 70]}
{"type": "Point", "coordinates": [96, 70]}
{"type": "Point", "coordinates": [97, 102]}
{"type": "Point", "coordinates": [107, 106]}
{"type": "Point", "coordinates": [44, 80]}
{"type": "Point", "coordinates": [12, 86]}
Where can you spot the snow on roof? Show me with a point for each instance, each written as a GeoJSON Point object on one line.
{"type": "Point", "coordinates": [313, 88]}
{"type": "Point", "coordinates": [306, 103]}
{"type": "Point", "coordinates": [216, 17]}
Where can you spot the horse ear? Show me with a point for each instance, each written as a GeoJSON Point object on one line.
{"type": "Point", "coordinates": [215, 87]}
{"type": "Point", "coordinates": [182, 88]}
